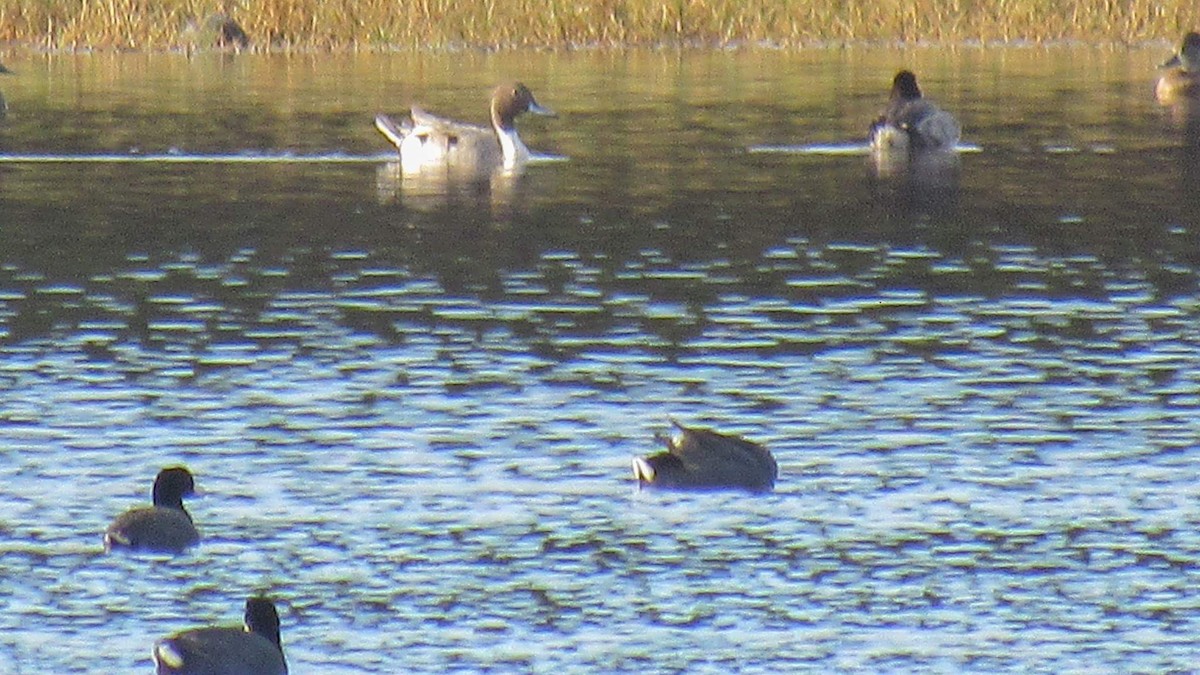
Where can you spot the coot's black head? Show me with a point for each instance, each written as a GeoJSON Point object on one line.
{"type": "Point", "coordinates": [172, 485]}
{"type": "Point", "coordinates": [262, 619]}
{"type": "Point", "coordinates": [904, 86]}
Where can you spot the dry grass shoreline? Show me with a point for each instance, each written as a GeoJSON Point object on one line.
{"type": "Point", "coordinates": [556, 24]}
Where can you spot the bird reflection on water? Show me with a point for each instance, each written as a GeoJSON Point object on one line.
{"type": "Point", "coordinates": [439, 190]}
{"type": "Point", "coordinates": [925, 182]}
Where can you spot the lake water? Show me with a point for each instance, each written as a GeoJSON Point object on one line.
{"type": "Point", "coordinates": [411, 408]}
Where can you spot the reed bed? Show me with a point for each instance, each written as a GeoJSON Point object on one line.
{"type": "Point", "coordinates": [446, 24]}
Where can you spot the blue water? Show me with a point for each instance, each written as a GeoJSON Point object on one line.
{"type": "Point", "coordinates": [411, 407]}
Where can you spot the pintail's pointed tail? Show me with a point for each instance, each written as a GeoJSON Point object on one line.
{"type": "Point", "coordinates": [391, 130]}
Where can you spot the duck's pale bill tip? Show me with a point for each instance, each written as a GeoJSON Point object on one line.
{"type": "Point", "coordinates": [538, 109]}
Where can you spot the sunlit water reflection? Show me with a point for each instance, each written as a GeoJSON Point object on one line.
{"type": "Point", "coordinates": [411, 407]}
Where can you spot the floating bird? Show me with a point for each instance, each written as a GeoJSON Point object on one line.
{"type": "Point", "coordinates": [165, 526]}
{"type": "Point", "coordinates": [1180, 79]}
{"type": "Point", "coordinates": [912, 123]}
{"type": "Point", "coordinates": [427, 141]}
{"type": "Point", "coordinates": [702, 458]}
{"type": "Point", "coordinates": [254, 650]}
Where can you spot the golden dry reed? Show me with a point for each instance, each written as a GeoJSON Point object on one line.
{"type": "Point", "coordinates": [440, 24]}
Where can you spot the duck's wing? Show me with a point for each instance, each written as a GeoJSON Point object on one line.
{"type": "Point", "coordinates": [427, 125]}
{"type": "Point", "coordinates": [717, 459]}
{"type": "Point", "coordinates": [939, 130]}
{"type": "Point", "coordinates": [424, 122]}
{"type": "Point", "coordinates": [929, 126]}
{"type": "Point", "coordinates": [457, 144]}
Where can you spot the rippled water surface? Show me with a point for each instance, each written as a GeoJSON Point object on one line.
{"type": "Point", "coordinates": [411, 406]}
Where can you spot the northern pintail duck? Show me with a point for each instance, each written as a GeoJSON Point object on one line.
{"type": "Point", "coordinates": [911, 122]}
{"type": "Point", "coordinates": [428, 141]}
{"type": "Point", "coordinates": [704, 459]}
{"type": "Point", "coordinates": [254, 648]}
{"type": "Point", "coordinates": [165, 526]}
{"type": "Point", "coordinates": [1181, 73]}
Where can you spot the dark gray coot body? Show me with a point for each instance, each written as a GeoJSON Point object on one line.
{"type": "Point", "coordinates": [165, 526]}
{"type": "Point", "coordinates": [254, 650]}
